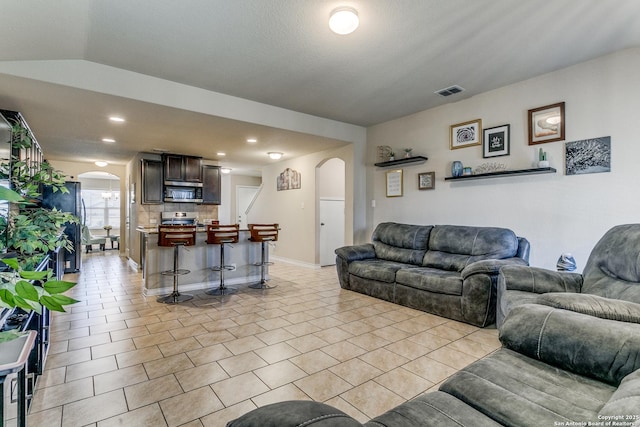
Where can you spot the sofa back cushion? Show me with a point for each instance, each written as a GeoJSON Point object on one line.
{"type": "Point", "coordinates": [607, 350]}
{"type": "Point", "coordinates": [401, 242]}
{"type": "Point", "coordinates": [613, 268]}
{"type": "Point", "coordinates": [453, 247]}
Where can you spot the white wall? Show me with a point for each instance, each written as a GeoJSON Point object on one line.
{"type": "Point", "coordinates": [296, 210]}
{"type": "Point", "coordinates": [557, 213]}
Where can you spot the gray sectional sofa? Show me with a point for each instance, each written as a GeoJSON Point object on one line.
{"type": "Point", "coordinates": [447, 270]}
{"type": "Point", "coordinates": [611, 276]}
{"type": "Point", "coordinates": [556, 368]}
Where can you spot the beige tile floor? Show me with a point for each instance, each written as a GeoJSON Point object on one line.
{"type": "Point", "coordinates": [119, 358]}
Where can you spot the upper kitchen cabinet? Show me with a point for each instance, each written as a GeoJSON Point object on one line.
{"type": "Point", "coordinates": [152, 190]}
{"type": "Point", "coordinates": [178, 168]}
{"type": "Point", "coordinates": [211, 185]}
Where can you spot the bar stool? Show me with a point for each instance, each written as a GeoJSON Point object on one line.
{"type": "Point", "coordinates": [219, 235]}
{"type": "Point", "coordinates": [176, 235]}
{"type": "Point", "coordinates": [264, 234]}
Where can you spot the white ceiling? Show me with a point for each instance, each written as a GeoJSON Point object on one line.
{"type": "Point", "coordinates": [281, 53]}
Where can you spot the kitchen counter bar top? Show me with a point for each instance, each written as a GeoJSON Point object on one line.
{"type": "Point", "coordinates": [198, 259]}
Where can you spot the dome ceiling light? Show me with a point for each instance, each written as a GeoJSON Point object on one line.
{"type": "Point", "coordinates": [343, 20]}
{"type": "Point", "coordinates": [275, 155]}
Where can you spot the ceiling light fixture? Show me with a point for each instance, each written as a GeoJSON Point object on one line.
{"type": "Point", "coordinates": [221, 154]}
{"type": "Point", "coordinates": [275, 155]}
{"type": "Point", "coordinates": [116, 119]}
{"type": "Point", "coordinates": [101, 164]}
{"type": "Point", "coordinates": [252, 140]}
{"type": "Point", "coordinates": [225, 170]}
{"type": "Point", "coordinates": [108, 140]}
{"type": "Point", "coordinates": [343, 20]}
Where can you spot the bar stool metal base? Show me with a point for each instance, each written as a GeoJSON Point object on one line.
{"type": "Point", "coordinates": [220, 291]}
{"type": "Point", "coordinates": [174, 298]}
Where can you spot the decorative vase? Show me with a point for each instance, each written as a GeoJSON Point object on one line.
{"type": "Point", "coordinates": [456, 168]}
{"type": "Point", "coordinates": [467, 171]}
{"type": "Point", "coordinates": [543, 164]}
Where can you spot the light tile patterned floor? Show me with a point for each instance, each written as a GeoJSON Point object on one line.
{"type": "Point", "coordinates": [119, 358]}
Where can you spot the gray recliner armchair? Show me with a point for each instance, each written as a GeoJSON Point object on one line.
{"type": "Point", "coordinates": [609, 286]}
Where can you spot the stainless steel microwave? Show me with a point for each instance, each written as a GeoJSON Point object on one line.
{"type": "Point", "coordinates": [182, 194]}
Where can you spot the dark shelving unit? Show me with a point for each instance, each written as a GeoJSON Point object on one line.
{"type": "Point", "coordinates": [402, 161]}
{"type": "Point", "coordinates": [534, 171]}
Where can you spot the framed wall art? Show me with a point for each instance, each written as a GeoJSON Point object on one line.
{"type": "Point", "coordinates": [394, 183]}
{"type": "Point", "coordinates": [466, 134]}
{"type": "Point", "coordinates": [546, 124]}
{"type": "Point", "coordinates": [496, 141]}
{"type": "Point", "coordinates": [588, 156]}
{"type": "Point", "coordinates": [426, 181]}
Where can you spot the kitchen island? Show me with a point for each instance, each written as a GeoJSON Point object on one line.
{"type": "Point", "coordinates": [198, 259]}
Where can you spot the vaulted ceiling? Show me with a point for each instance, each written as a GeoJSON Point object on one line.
{"type": "Point", "coordinates": [278, 53]}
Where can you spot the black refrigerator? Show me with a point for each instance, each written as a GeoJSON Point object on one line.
{"type": "Point", "coordinates": [68, 202]}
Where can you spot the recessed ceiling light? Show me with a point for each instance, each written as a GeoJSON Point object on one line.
{"type": "Point", "coordinates": [116, 119]}
{"type": "Point", "coordinates": [252, 140]}
{"type": "Point", "coordinates": [225, 170]}
{"type": "Point", "coordinates": [343, 20]}
{"type": "Point", "coordinates": [109, 140]}
{"type": "Point", "coordinates": [275, 155]}
{"type": "Point", "coordinates": [160, 150]}
{"type": "Point", "coordinates": [101, 164]}
{"type": "Point", "coordinates": [221, 154]}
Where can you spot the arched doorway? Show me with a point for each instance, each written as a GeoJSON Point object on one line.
{"type": "Point", "coordinates": [101, 207]}
{"type": "Point", "coordinates": [330, 178]}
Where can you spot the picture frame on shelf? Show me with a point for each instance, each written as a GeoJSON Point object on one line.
{"type": "Point", "coordinates": [465, 134]}
{"type": "Point", "coordinates": [546, 124]}
{"type": "Point", "coordinates": [426, 181]}
{"type": "Point", "coordinates": [496, 141]}
{"type": "Point", "coordinates": [394, 183]}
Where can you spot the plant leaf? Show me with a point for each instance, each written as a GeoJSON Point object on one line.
{"type": "Point", "coordinates": [11, 262]}
{"type": "Point", "coordinates": [51, 303]}
{"type": "Point", "coordinates": [7, 297]}
{"type": "Point", "coordinates": [27, 291]}
{"type": "Point", "coordinates": [58, 286]}
{"type": "Point", "coordinates": [10, 195]}
{"type": "Point", "coordinates": [64, 300]}
{"type": "Point", "coordinates": [34, 275]}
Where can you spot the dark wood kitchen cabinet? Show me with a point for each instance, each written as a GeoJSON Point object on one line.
{"type": "Point", "coordinates": [211, 183]}
{"type": "Point", "coordinates": [152, 189]}
{"type": "Point", "coordinates": [182, 168]}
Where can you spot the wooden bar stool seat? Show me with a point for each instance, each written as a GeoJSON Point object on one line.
{"type": "Point", "coordinates": [263, 234]}
{"type": "Point", "coordinates": [220, 235]}
{"type": "Point", "coordinates": [174, 236]}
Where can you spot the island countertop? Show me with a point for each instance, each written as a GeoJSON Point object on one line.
{"type": "Point", "coordinates": [198, 259]}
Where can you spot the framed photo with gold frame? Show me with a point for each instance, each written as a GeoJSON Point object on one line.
{"type": "Point", "coordinates": [465, 134]}
{"type": "Point", "coordinates": [394, 183]}
{"type": "Point", "coordinates": [546, 124]}
{"type": "Point", "coordinates": [426, 181]}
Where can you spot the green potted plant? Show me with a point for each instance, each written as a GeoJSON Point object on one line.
{"type": "Point", "coordinates": [29, 233]}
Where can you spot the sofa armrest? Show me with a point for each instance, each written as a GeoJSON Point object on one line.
{"type": "Point", "coordinates": [607, 350]}
{"type": "Point", "coordinates": [295, 413]}
{"type": "Point", "coordinates": [490, 266]}
{"type": "Point", "coordinates": [538, 280]}
{"type": "Point", "coordinates": [356, 252]}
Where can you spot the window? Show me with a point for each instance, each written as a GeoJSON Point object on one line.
{"type": "Point", "coordinates": [101, 211]}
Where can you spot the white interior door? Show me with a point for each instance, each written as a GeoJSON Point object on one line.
{"type": "Point", "coordinates": [331, 229]}
{"type": "Point", "coordinates": [244, 196]}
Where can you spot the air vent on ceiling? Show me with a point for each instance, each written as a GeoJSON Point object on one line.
{"type": "Point", "coordinates": [449, 90]}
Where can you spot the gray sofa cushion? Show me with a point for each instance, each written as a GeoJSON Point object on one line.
{"type": "Point", "coordinates": [453, 247]}
{"type": "Point", "coordinates": [401, 242]}
{"type": "Point", "coordinates": [431, 279]}
{"type": "Point", "coordinates": [625, 398]}
{"type": "Point", "coordinates": [613, 268]}
{"type": "Point", "coordinates": [593, 305]}
{"type": "Point", "coordinates": [516, 390]}
{"type": "Point", "coordinates": [432, 409]}
{"type": "Point", "coordinates": [606, 350]}
{"type": "Point", "coordinates": [376, 269]}
{"type": "Point", "coordinates": [295, 413]}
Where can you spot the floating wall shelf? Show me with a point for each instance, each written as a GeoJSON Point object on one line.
{"type": "Point", "coordinates": [535, 171]}
{"type": "Point", "coordinates": [402, 161]}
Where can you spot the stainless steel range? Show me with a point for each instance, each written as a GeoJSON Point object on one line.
{"type": "Point", "coordinates": [181, 218]}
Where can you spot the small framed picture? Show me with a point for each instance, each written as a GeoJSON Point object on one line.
{"type": "Point", "coordinates": [466, 134]}
{"type": "Point", "coordinates": [546, 124]}
{"type": "Point", "coordinates": [496, 141]}
{"type": "Point", "coordinates": [394, 183]}
{"type": "Point", "coordinates": [426, 181]}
